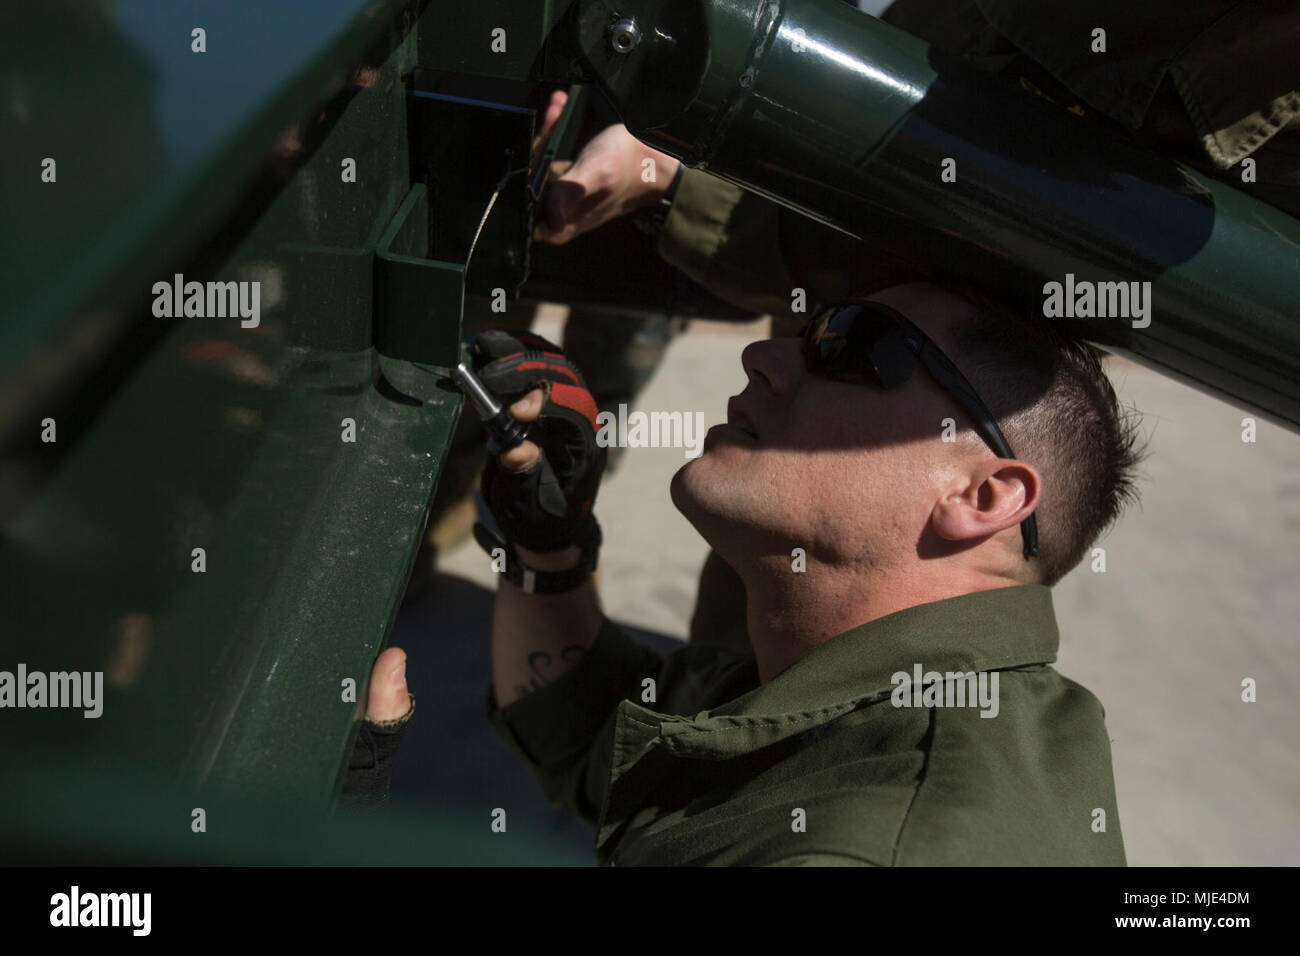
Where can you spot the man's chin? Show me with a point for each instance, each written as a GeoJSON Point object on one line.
{"type": "Point", "coordinates": [689, 490]}
{"type": "Point", "coordinates": [704, 495]}
{"type": "Point", "coordinates": [681, 489]}
{"type": "Point", "coordinates": [717, 503]}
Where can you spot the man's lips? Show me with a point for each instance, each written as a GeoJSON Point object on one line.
{"type": "Point", "coordinates": [732, 433]}
{"type": "Point", "coordinates": [738, 417]}
{"type": "Point", "coordinates": [738, 428]}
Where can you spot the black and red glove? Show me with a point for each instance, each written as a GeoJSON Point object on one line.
{"type": "Point", "coordinates": [548, 507]}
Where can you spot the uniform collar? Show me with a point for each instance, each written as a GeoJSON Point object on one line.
{"type": "Point", "coordinates": [985, 630]}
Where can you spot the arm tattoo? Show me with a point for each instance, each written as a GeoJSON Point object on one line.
{"type": "Point", "coordinates": [540, 663]}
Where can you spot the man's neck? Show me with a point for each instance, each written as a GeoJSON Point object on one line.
{"type": "Point", "coordinates": [789, 613]}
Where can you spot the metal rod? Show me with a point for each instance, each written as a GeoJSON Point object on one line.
{"type": "Point", "coordinates": [504, 430]}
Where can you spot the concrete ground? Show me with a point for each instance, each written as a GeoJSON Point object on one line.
{"type": "Point", "coordinates": [1199, 593]}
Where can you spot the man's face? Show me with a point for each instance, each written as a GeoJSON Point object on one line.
{"type": "Point", "coordinates": [848, 472]}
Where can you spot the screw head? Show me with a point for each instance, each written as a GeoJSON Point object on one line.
{"type": "Point", "coordinates": [624, 35]}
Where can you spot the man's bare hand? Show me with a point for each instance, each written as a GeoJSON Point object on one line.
{"type": "Point", "coordinates": [611, 177]}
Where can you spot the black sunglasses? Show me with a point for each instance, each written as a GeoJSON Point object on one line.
{"type": "Point", "coordinates": [870, 343]}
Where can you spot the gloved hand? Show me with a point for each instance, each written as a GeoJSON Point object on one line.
{"type": "Point", "coordinates": [547, 505]}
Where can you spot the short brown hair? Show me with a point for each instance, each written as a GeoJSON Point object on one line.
{"type": "Point", "coordinates": [1054, 402]}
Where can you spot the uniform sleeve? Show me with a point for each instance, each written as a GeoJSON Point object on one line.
{"type": "Point", "coordinates": [558, 728]}
{"type": "Point", "coordinates": [753, 252]}
{"type": "Point", "coordinates": [565, 730]}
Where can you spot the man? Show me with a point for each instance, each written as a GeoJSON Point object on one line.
{"type": "Point", "coordinates": [874, 505]}
{"type": "Point", "coordinates": [1171, 79]}
{"type": "Point", "coordinates": [1168, 77]}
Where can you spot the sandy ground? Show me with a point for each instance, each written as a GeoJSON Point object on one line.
{"type": "Point", "coordinates": [1199, 593]}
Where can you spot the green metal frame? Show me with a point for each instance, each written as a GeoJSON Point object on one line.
{"type": "Point", "coordinates": [226, 685]}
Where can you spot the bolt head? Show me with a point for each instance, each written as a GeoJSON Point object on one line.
{"type": "Point", "coordinates": [624, 35]}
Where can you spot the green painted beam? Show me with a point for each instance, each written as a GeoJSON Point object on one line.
{"type": "Point", "coordinates": [279, 447]}
{"type": "Point", "coordinates": [153, 144]}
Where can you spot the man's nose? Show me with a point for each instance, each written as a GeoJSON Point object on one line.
{"type": "Point", "coordinates": [778, 362]}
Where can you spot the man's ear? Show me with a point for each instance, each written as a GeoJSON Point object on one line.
{"type": "Point", "coordinates": [997, 494]}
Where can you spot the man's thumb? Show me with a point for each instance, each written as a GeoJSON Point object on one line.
{"type": "Point", "coordinates": [388, 698]}
{"type": "Point", "coordinates": [560, 200]}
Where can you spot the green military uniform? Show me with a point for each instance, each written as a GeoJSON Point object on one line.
{"type": "Point", "coordinates": [818, 766]}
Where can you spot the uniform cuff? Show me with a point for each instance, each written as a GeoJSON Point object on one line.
{"type": "Point", "coordinates": [697, 221]}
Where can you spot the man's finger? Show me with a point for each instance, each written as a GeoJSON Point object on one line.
{"type": "Point", "coordinates": [556, 210]}
{"type": "Point", "coordinates": [572, 208]}
{"type": "Point", "coordinates": [521, 457]}
{"type": "Point", "coordinates": [529, 408]}
{"type": "Point", "coordinates": [554, 109]}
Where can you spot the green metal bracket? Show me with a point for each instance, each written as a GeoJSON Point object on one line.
{"type": "Point", "coordinates": [410, 289]}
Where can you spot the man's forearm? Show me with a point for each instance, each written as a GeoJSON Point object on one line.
{"type": "Point", "coordinates": [754, 252]}
{"type": "Point", "coordinates": [538, 637]}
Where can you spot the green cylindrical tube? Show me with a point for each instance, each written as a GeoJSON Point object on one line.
{"type": "Point", "coordinates": [855, 123]}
